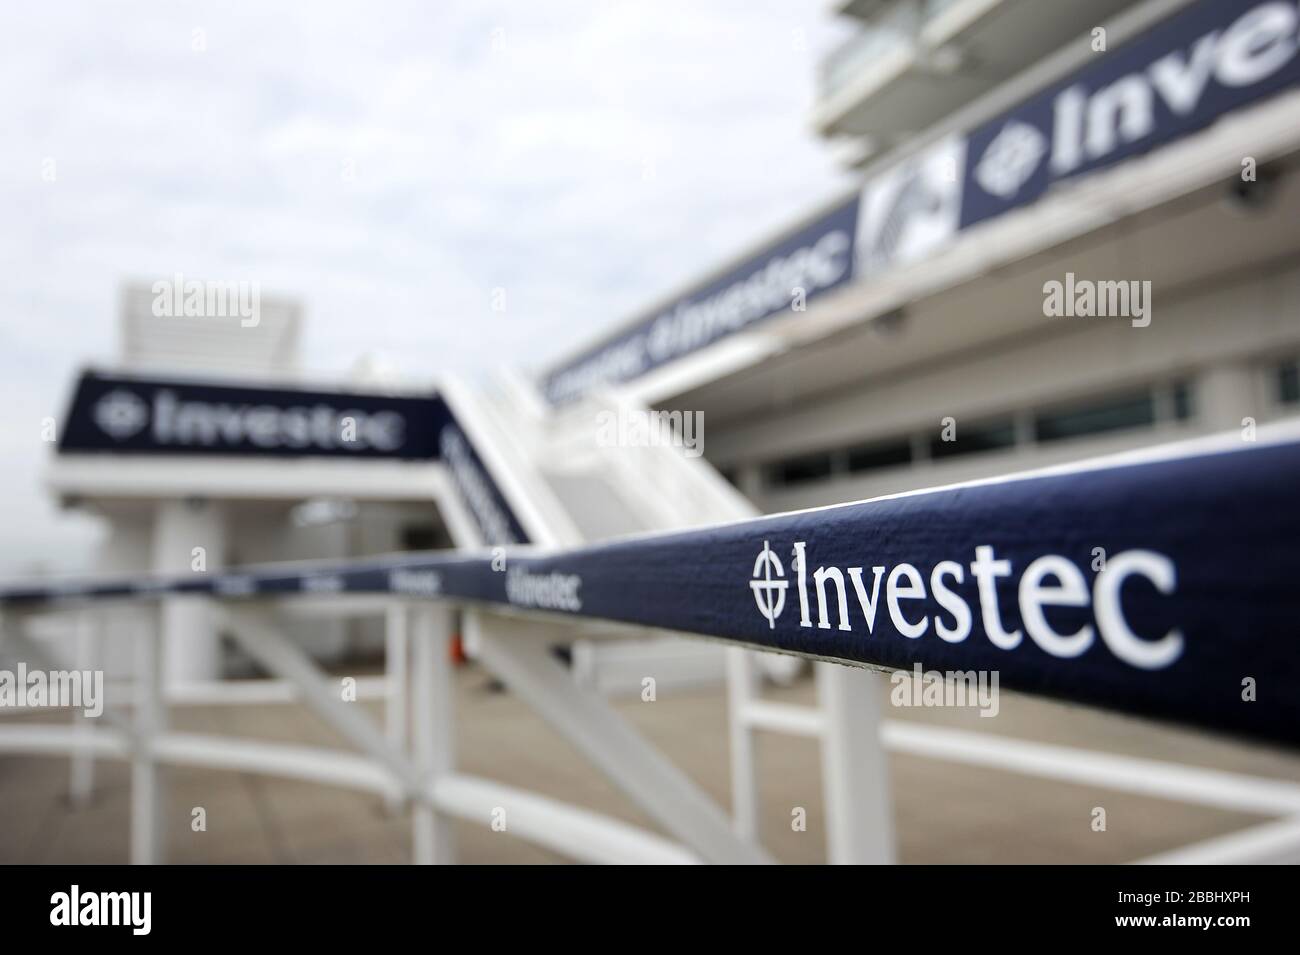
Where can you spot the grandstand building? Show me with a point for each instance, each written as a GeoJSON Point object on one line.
{"type": "Point", "coordinates": [1073, 234]}
{"type": "Point", "coordinates": [1013, 154]}
{"type": "Point", "coordinates": [204, 446]}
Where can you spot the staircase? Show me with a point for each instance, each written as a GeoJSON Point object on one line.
{"type": "Point", "coordinates": [570, 485]}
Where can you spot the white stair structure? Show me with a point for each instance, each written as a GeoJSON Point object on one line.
{"type": "Point", "coordinates": [570, 487]}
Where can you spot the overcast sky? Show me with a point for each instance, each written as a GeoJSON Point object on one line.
{"type": "Point", "coordinates": [388, 164]}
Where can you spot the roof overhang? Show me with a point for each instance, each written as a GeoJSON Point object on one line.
{"type": "Point", "coordinates": [1075, 210]}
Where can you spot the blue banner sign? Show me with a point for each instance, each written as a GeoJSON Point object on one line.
{"type": "Point", "coordinates": [124, 415]}
{"type": "Point", "coordinates": [130, 415]}
{"type": "Point", "coordinates": [1101, 586]}
{"type": "Point", "coordinates": [482, 496]}
{"type": "Point", "coordinates": [1178, 77]}
{"type": "Point", "coordinates": [809, 263]}
{"type": "Point", "coordinates": [1213, 57]}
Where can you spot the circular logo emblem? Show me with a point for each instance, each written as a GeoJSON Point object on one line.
{"type": "Point", "coordinates": [769, 585]}
{"type": "Point", "coordinates": [1011, 159]}
{"type": "Point", "coordinates": [121, 414]}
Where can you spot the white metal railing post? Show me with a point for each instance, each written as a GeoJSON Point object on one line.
{"type": "Point", "coordinates": [434, 733]}
{"type": "Point", "coordinates": [258, 631]}
{"type": "Point", "coordinates": [147, 809]}
{"type": "Point", "coordinates": [855, 770]}
{"type": "Point", "coordinates": [742, 690]}
{"type": "Point", "coordinates": [81, 775]}
{"type": "Point", "coordinates": [396, 703]}
{"type": "Point", "coordinates": [523, 661]}
{"type": "Point", "coordinates": [857, 795]}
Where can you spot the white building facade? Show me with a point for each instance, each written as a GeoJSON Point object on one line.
{"type": "Point", "coordinates": [1077, 233]}
{"type": "Point", "coordinates": [203, 448]}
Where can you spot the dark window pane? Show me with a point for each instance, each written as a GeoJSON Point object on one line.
{"type": "Point", "coordinates": [420, 537]}
{"type": "Point", "coordinates": [1111, 414]}
{"type": "Point", "coordinates": [987, 436]}
{"type": "Point", "coordinates": [869, 457]}
{"type": "Point", "coordinates": [808, 467]}
{"type": "Point", "coordinates": [1288, 383]}
{"type": "Point", "coordinates": [1182, 400]}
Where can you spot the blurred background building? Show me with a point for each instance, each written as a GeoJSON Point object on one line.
{"type": "Point", "coordinates": [895, 338]}
{"type": "Point", "coordinates": [1190, 186]}
{"type": "Point", "coordinates": [900, 336]}
{"type": "Point", "coordinates": [164, 508]}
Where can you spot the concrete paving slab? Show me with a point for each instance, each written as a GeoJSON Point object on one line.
{"type": "Point", "coordinates": [944, 813]}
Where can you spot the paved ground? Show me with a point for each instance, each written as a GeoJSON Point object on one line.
{"type": "Point", "coordinates": [944, 813]}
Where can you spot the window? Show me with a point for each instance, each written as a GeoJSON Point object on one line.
{"type": "Point", "coordinates": [871, 457]}
{"type": "Point", "coordinates": [1097, 415]}
{"type": "Point", "coordinates": [422, 537]}
{"type": "Point", "coordinates": [800, 470]}
{"type": "Point", "coordinates": [1288, 383]}
{"type": "Point", "coordinates": [1133, 410]}
{"type": "Point", "coordinates": [971, 439]}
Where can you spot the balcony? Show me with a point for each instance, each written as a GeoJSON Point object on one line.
{"type": "Point", "coordinates": [917, 61]}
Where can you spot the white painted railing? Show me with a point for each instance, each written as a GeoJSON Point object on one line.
{"type": "Point", "coordinates": [420, 772]}
{"type": "Point", "coordinates": [419, 769]}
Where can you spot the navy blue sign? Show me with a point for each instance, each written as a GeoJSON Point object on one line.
{"type": "Point", "coordinates": [1178, 77]}
{"type": "Point", "coordinates": [817, 258]}
{"type": "Point", "coordinates": [126, 415]}
{"type": "Point", "coordinates": [496, 520]}
{"type": "Point", "coordinates": [1167, 588]}
{"type": "Point", "coordinates": [1215, 56]}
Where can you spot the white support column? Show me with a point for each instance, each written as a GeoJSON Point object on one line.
{"type": "Point", "coordinates": [1225, 394]}
{"type": "Point", "coordinates": [524, 662]}
{"type": "Point", "coordinates": [396, 703]}
{"type": "Point", "coordinates": [191, 647]}
{"type": "Point", "coordinates": [258, 633]}
{"type": "Point", "coordinates": [749, 481]}
{"type": "Point", "coordinates": [434, 733]}
{"type": "Point", "coordinates": [855, 771]}
{"type": "Point", "coordinates": [742, 691]}
{"type": "Point", "coordinates": [89, 653]}
{"type": "Point", "coordinates": [147, 803]}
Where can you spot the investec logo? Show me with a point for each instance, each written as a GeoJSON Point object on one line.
{"type": "Point", "coordinates": [553, 591]}
{"type": "Point", "coordinates": [769, 585]}
{"type": "Point", "coordinates": [695, 322]}
{"type": "Point", "coordinates": [1088, 125]}
{"type": "Point", "coordinates": [122, 414]}
{"type": "Point", "coordinates": [1048, 581]}
{"type": "Point", "coordinates": [473, 484]}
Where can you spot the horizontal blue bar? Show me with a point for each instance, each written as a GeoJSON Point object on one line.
{"type": "Point", "coordinates": [1169, 589]}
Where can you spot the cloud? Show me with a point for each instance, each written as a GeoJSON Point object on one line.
{"type": "Point", "coordinates": [390, 164]}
